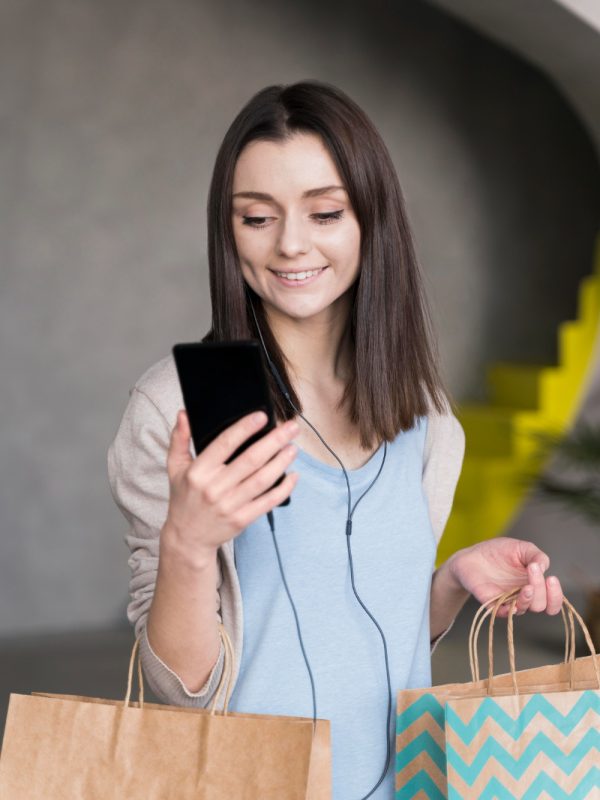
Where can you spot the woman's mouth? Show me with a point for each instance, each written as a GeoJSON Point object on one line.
{"type": "Point", "coordinates": [298, 278]}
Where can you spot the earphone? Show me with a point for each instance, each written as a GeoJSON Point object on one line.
{"type": "Point", "coordinates": [351, 509]}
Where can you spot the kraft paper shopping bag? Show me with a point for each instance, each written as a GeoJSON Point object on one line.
{"type": "Point", "coordinates": [421, 759]}
{"type": "Point", "coordinates": [80, 748]}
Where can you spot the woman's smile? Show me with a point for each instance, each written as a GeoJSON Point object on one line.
{"type": "Point", "coordinates": [295, 278]}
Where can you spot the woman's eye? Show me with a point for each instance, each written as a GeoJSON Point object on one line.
{"type": "Point", "coordinates": [255, 222]}
{"type": "Point", "coordinates": [324, 218]}
{"type": "Point", "coordinates": [329, 216]}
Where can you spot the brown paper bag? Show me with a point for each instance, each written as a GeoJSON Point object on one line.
{"type": "Point", "coordinates": [540, 742]}
{"type": "Point", "coordinates": [421, 761]}
{"type": "Point", "coordinates": [81, 748]}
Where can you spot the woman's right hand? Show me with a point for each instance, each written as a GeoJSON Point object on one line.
{"type": "Point", "coordinates": [211, 502]}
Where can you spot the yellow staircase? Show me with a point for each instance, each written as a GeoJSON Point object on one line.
{"type": "Point", "coordinates": [500, 435]}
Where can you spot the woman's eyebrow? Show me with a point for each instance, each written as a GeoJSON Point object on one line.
{"type": "Point", "coordinates": [308, 193]}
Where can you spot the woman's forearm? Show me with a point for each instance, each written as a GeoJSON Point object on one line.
{"type": "Point", "coordinates": [182, 624]}
{"type": "Point", "coordinates": [447, 599]}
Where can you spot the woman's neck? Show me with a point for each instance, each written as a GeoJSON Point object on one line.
{"type": "Point", "coordinates": [319, 349]}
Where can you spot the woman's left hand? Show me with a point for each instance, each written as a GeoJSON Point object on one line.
{"type": "Point", "coordinates": [492, 567]}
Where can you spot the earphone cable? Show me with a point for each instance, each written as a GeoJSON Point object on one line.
{"type": "Point", "coordinates": [351, 510]}
{"type": "Point", "coordinates": [387, 671]}
{"type": "Point", "coordinates": [300, 639]}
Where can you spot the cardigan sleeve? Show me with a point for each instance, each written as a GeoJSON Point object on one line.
{"type": "Point", "coordinates": [138, 479]}
{"type": "Point", "coordinates": [442, 463]}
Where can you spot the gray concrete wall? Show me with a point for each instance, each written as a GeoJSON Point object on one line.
{"type": "Point", "coordinates": [111, 116]}
{"type": "Point", "coordinates": [561, 37]}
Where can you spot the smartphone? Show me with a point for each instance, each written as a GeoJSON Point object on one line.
{"type": "Point", "coordinates": [222, 382]}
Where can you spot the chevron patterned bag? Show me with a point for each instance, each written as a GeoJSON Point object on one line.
{"type": "Point", "coordinates": [551, 747]}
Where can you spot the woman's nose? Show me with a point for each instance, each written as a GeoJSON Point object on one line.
{"type": "Point", "coordinates": [294, 237]}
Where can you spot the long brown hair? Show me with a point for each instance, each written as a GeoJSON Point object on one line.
{"type": "Point", "coordinates": [395, 374]}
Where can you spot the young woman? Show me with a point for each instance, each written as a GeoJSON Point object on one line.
{"type": "Point", "coordinates": [310, 247]}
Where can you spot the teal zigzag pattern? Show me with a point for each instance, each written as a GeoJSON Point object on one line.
{"type": "Point", "coordinates": [542, 785]}
{"type": "Point", "coordinates": [589, 701]}
{"type": "Point", "coordinates": [426, 704]}
{"type": "Point", "coordinates": [424, 742]}
{"type": "Point", "coordinates": [421, 782]}
{"type": "Point", "coordinates": [516, 766]}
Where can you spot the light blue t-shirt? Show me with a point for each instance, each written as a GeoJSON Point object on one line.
{"type": "Point", "coordinates": [393, 548]}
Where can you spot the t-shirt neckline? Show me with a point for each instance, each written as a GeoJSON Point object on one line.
{"type": "Point", "coordinates": [316, 465]}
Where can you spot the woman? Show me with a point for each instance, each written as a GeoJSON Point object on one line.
{"type": "Point", "coordinates": [310, 248]}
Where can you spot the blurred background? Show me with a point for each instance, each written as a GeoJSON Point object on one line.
{"type": "Point", "coordinates": [111, 116]}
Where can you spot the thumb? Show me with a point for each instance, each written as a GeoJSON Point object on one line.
{"type": "Point", "coordinates": [179, 455]}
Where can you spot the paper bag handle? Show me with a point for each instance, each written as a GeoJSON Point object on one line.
{"type": "Point", "coordinates": [485, 610]}
{"type": "Point", "coordinates": [226, 675]}
{"type": "Point", "coordinates": [569, 649]}
{"type": "Point", "coordinates": [511, 646]}
{"type": "Point", "coordinates": [511, 597]}
{"type": "Point", "coordinates": [140, 677]}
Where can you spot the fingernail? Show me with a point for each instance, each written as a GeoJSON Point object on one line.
{"type": "Point", "coordinates": [535, 568]}
{"type": "Point", "coordinates": [259, 418]}
{"type": "Point", "coordinates": [527, 592]}
{"type": "Point", "coordinates": [293, 427]}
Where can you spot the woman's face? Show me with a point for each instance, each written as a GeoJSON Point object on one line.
{"type": "Point", "coordinates": [292, 215]}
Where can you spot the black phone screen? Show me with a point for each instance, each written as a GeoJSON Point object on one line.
{"type": "Point", "coordinates": [222, 382]}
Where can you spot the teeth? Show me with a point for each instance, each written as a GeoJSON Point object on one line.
{"type": "Point", "coordinates": [299, 276]}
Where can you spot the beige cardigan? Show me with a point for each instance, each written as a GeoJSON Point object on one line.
{"type": "Point", "coordinates": [139, 483]}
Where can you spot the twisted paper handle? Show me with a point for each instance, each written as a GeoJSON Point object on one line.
{"type": "Point", "coordinates": [140, 677]}
{"type": "Point", "coordinates": [490, 609]}
{"type": "Point", "coordinates": [226, 675]}
{"type": "Point", "coordinates": [485, 610]}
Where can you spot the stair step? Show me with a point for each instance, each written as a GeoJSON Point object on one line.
{"type": "Point", "coordinates": [488, 430]}
{"type": "Point", "coordinates": [503, 451]}
{"type": "Point", "coordinates": [515, 385]}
